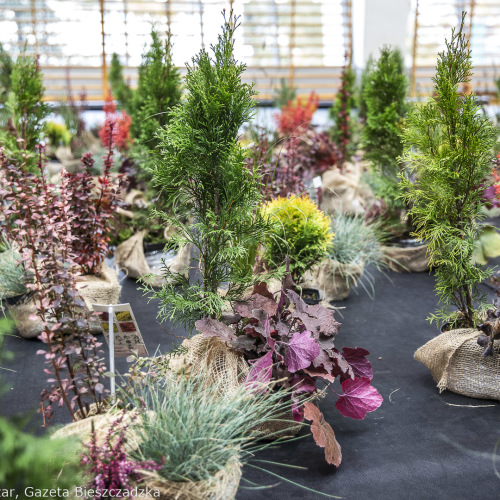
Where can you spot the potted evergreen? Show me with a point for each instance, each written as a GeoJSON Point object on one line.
{"type": "Point", "coordinates": [299, 231]}
{"type": "Point", "coordinates": [448, 145]}
{"type": "Point", "coordinates": [200, 169]}
{"type": "Point", "coordinates": [385, 98]}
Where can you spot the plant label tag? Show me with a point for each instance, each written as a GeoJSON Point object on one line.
{"type": "Point", "coordinates": [127, 336]}
{"type": "Point", "coordinates": [317, 182]}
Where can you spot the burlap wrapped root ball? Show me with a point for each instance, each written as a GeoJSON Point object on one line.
{"type": "Point", "coordinates": [221, 486]}
{"type": "Point", "coordinates": [102, 289]}
{"type": "Point", "coordinates": [345, 191]}
{"type": "Point", "coordinates": [333, 279]}
{"type": "Point", "coordinates": [227, 367]}
{"type": "Point", "coordinates": [456, 363]}
{"type": "Point", "coordinates": [413, 259]}
{"type": "Point", "coordinates": [130, 257]}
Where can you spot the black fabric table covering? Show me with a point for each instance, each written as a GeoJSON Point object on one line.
{"type": "Point", "coordinates": [418, 445]}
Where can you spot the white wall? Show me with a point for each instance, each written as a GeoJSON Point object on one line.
{"type": "Point", "coordinates": [385, 23]}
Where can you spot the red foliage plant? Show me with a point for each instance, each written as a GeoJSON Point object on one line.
{"type": "Point", "coordinates": [41, 221]}
{"type": "Point", "coordinates": [286, 169]}
{"type": "Point", "coordinates": [294, 346]}
{"type": "Point", "coordinates": [62, 232]}
{"type": "Point", "coordinates": [295, 117]}
{"type": "Point", "coordinates": [116, 129]}
{"type": "Point", "coordinates": [109, 466]}
{"type": "Point", "coordinates": [93, 207]}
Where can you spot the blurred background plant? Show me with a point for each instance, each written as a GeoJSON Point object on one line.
{"type": "Point", "coordinates": [12, 275]}
{"type": "Point", "coordinates": [358, 243]}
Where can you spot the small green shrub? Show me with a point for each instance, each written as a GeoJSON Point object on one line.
{"type": "Point", "coordinates": [26, 110]}
{"type": "Point", "coordinates": [57, 134]}
{"type": "Point", "coordinates": [300, 230]}
{"type": "Point", "coordinates": [384, 94]}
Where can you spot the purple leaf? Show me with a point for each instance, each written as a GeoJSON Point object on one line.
{"type": "Point", "coordinates": [303, 384]}
{"type": "Point", "coordinates": [244, 343]}
{"type": "Point", "coordinates": [256, 302]}
{"type": "Point", "coordinates": [302, 349]}
{"type": "Point", "coordinates": [358, 399]}
{"type": "Point", "coordinates": [317, 319]}
{"type": "Point", "coordinates": [356, 357]}
{"type": "Point", "coordinates": [212, 328]}
{"type": "Point", "coordinates": [334, 364]}
{"type": "Point", "coordinates": [260, 373]}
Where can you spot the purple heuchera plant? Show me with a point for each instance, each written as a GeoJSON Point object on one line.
{"type": "Point", "coordinates": [109, 466]}
{"type": "Point", "coordinates": [287, 340]}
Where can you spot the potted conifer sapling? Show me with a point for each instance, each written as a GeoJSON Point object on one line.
{"type": "Point", "coordinates": [448, 144]}
{"type": "Point", "coordinates": [384, 95]}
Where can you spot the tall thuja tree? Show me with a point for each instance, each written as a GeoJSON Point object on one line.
{"type": "Point", "coordinates": [25, 110]}
{"type": "Point", "coordinates": [365, 78]}
{"type": "Point", "coordinates": [385, 99]}
{"type": "Point", "coordinates": [342, 131]}
{"type": "Point", "coordinates": [158, 91]}
{"type": "Point", "coordinates": [200, 168]}
{"type": "Point", "coordinates": [447, 145]}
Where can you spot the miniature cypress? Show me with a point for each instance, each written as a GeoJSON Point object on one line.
{"type": "Point", "coordinates": [448, 149]}
{"type": "Point", "coordinates": [200, 170]}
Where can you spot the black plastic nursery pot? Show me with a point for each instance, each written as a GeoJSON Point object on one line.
{"type": "Point", "coordinates": [311, 296]}
{"type": "Point", "coordinates": [153, 247]}
{"type": "Point", "coordinates": [18, 299]}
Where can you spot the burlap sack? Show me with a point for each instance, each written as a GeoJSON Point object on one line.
{"type": "Point", "coordinates": [333, 279]}
{"type": "Point", "coordinates": [130, 256]}
{"type": "Point", "coordinates": [212, 357]}
{"type": "Point", "coordinates": [20, 314]}
{"type": "Point", "coordinates": [102, 289]}
{"type": "Point", "coordinates": [222, 486]}
{"type": "Point", "coordinates": [409, 259]}
{"type": "Point", "coordinates": [455, 361]}
{"type": "Point", "coordinates": [345, 191]}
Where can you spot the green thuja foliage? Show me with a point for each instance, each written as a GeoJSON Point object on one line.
{"type": "Point", "coordinates": [6, 66]}
{"type": "Point", "coordinates": [365, 78]}
{"type": "Point", "coordinates": [121, 91]}
{"type": "Point", "coordinates": [343, 130]}
{"type": "Point", "coordinates": [284, 94]}
{"type": "Point", "coordinates": [447, 146]}
{"type": "Point", "coordinates": [385, 98]}
{"type": "Point", "coordinates": [25, 110]}
{"type": "Point", "coordinates": [200, 169]}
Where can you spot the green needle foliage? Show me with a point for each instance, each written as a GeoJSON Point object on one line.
{"type": "Point", "coordinates": [200, 170]}
{"type": "Point", "coordinates": [448, 144]}
{"type": "Point", "coordinates": [6, 66]}
{"type": "Point", "coordinates": [385, 98]}
{"type": "Point", "coordinates": [25, 110]}
{"type": "Point", "coordinates": [158, 91]}
{"type": "Point", "coordinates": [365, 78]}
{"type": "Point", "coordinates": [121, 91]}
{"type": "Point", "coordinates": [343, 130]}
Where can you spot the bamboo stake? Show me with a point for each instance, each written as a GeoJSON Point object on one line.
{"type": "Point", "coordinates": [291, 72]}
{"type": "Point", "coordinates": [105, 90]}
{"type": "Point", "coordinates": [414, 55]}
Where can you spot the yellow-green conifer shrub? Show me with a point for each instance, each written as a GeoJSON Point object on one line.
{"type": "Point", "coordinates": [300, 230]}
